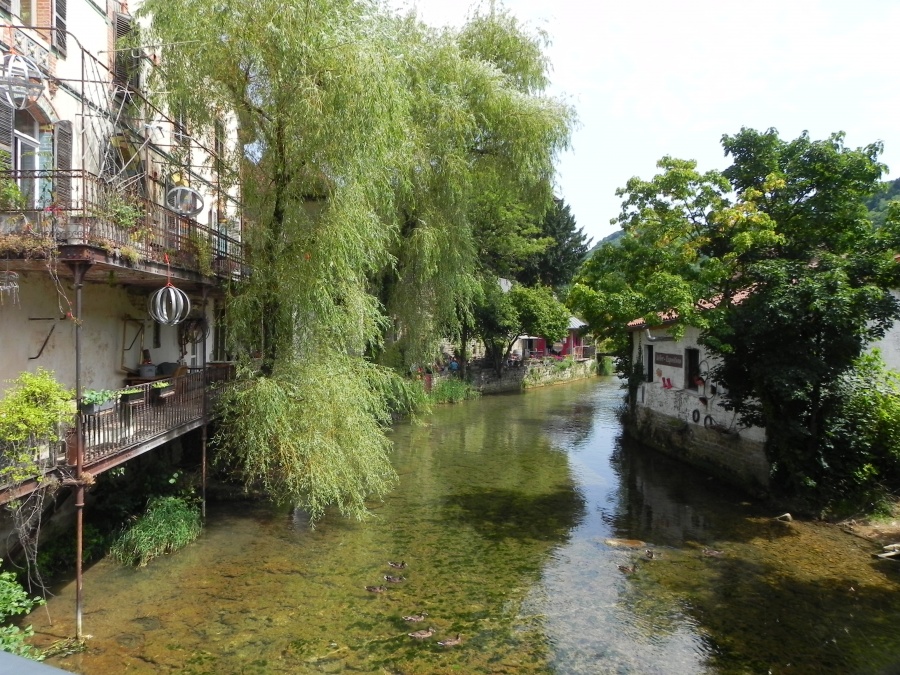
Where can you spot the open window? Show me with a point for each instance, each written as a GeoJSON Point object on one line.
{"type": "Point", "coordinates": [692, 369]}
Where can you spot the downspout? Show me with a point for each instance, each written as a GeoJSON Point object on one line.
{"type": "Point", "coordinates": [205, 416]}
{"type": "Point", "coordinates": [79, 270]}
{"type": "Point", "coordinates": [660, 338]}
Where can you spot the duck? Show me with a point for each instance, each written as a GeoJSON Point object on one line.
{"type": "Point", "coordinates": [651, 554]}
{"type": "Point", "coordinates": [712, 553]}
{"type": "Point", "coordinates": [393, 579]}
{"type": "Point", "coordinates": [422, 634]}
{"type": "Point", "coordinates": [376, 589]}
{"type": "Point", "coordinates": [397, 565]}
{"type": "Point", "coordinates": [627, 569]}
{"type": "Point", "coordinates": [416, 618]}
{"type": "Point", "coordinates": [451, 642]}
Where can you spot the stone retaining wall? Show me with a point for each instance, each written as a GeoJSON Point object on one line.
{"type": "Point", "coordinates": [537, 374]}
{"type": "Point", "coordinates": [726, 454]}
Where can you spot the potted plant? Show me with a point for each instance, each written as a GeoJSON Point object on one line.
{"type": "Point", "coordinates": [131, 396]}
{"type": "Point", "coordinates": [162, 390]}
{"type": "Point", "coordinates": [94, 401]}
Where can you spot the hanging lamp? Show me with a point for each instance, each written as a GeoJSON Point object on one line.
{"type": "Point", "coordinates": [169, 305]}
{"type": "Point", "coordinates": [21, 81]}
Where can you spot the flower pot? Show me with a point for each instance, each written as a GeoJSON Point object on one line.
{"type": "Point", "coordinates": [94, 408]}
{"type": "Point", "coordinates": [132, 398]}
{"type": "Point", "coordinates": [162, 394]}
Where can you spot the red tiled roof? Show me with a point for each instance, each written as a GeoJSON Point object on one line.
{"type": "Point", "coordinates": [671, 316]}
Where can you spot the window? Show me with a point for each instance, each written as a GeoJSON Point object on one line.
{"type": "Point", "coordinates": [692, 368]}
{"type": "Point", "coordinates": [26, 154]}
{"type": "Point", "coordinates": [648, 363]}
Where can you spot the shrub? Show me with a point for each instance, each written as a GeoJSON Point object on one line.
{"type": "Point", "coordinates": [170, 523]}
{"type": "Point", "coordinates": [452, 390]}
{"type": "Point", "coordinates": [34, 410]}
{"type": "Point", "coordinates": [14, 601]}
{"type": "Point", "coordinates": [864, 437]}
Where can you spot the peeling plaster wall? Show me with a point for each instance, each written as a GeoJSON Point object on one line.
{"type": "Point", "coordinates": [41, 313]}
{"type": "Point", "coordinates": [690, 424]}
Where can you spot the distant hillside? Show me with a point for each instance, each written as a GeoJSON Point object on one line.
{"type": "Point", "coordinates": [607, 239]}
{"type": "Point", "coordinates": [878, 204]}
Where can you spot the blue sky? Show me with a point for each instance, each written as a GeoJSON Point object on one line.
{"type": "Point", "coordinates": [657, 77]}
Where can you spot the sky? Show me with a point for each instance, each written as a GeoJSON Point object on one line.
{"type": "Point", "coordinates": [650, 78]}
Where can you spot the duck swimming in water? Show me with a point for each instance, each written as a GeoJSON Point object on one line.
{"type": "Point", "coordinates": [397, 565]}
{"type": "Point", "coordinates": [627, 569]}
{"type": "Point", "coordinates": [422, 634]}
{"type": "Point", "coordinates": [393, 579]}
{"type": "Point", "coordinates": [713, 553]}
{"type": "Point", "coordinates": [451, 642]}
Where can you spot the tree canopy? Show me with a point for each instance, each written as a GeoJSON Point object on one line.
{"type": "Point", "coordinates": [504, 315]}
{"type": "Point", "coordinates": [375, 152]}
{"type": "Point", "coordinates": [779, 264]}
{"type": "Point", "coordinates": [565, 251]}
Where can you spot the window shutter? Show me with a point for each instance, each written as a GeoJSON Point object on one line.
{"type": "Point", "coordinates": [63, 147]}
{"type": "Point", "coordinates": [6, 6]}
{"type": "Point", "coordinates": [127, 70]}
{"type": "Point", "coordinates": [59, 24]}
{"type": "Point", "coordinates": [6, 134]}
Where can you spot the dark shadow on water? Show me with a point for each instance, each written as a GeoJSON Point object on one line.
{"type": "Point", "coordinates": [500, 514]}
{"type": "Point", "coordinates": [662, 500]}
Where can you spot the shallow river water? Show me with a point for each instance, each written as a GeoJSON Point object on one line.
{"type": "Point", "coordinates": [503, 514]}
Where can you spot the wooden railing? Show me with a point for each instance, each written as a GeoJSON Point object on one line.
{"type": "Point", "coordinates": [78, 207]}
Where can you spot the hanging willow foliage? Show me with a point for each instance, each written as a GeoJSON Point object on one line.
{"type": "Point", "coordinates": [366, 140]}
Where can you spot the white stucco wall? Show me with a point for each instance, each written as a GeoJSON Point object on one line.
{"type": "Point", "coordinates": [42, 307]}
{"type": "Point", "coordinates": [680, 402]}
{"type": "Point", "coordinates": [890, 344]}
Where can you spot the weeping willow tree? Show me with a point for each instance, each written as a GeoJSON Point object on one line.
{"type": "Point", "coordinates": [364, 138]}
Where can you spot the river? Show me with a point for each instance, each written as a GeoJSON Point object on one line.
{"type": "Point", "coordinates": [503, 515]}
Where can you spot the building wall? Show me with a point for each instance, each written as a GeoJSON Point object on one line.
{"type": "Point", "coordinates": [42, 308]}
{"type": "Point", "coordinates": [890, 344]}
{"type": "Point", "coordinates": [691, 424]}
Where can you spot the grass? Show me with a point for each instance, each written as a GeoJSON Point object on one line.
{"type": "Point", "coordinates": [170, 523]}
{"type": "Point", "coordinates": [452, 390]}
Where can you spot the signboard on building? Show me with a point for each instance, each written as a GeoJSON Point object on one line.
{"type": "Point", "coordinates": [672, 360]}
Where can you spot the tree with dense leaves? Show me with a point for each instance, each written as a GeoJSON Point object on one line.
{"type": "Point", "coordinates": [778, 263]}
{"type": "Point", "coordinates": [365, 139]}
{"type": "Point", "coordinates": [504, 315]}
{"type": "Point", "coordinates": [566, 247]}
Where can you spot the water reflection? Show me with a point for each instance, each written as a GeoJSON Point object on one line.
{"type": "Point", "coordinates": [503, 514]}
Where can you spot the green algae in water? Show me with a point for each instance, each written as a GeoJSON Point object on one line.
{"type": "Point", "coordinates": [501, 514]}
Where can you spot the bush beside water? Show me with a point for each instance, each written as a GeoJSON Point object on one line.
{"type": "Point", "coordinates": [170, 523]}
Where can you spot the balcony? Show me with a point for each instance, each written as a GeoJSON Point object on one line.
{"type": "Point", "coordinates": [131, 425]}
{"type": "Point", "coordinates": [129, 229]}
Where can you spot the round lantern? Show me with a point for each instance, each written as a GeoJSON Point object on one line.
{"type": "Point", "coordinates": [184, 200]}
{"type": "Point", "coordinates": [169, 305]}
{"type": "Point", "coordinates": [21, 81]}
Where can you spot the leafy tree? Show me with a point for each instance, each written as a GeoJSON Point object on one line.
{"type": "Point", "coordinates": [778, 263]}
{"type": "Point", "coordinates": [566, 248]}
{"type": "Point", "coordinates": [504, 316]}
{"type": "Point", "coordinates": [366, 141]}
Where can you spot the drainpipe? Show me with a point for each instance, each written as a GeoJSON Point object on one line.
{"type": "Point", "coordinates": [205, 413]}
{"type": "Point", "coordinates": [79, 269]}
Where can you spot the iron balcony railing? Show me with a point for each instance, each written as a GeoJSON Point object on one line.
{"type": "Point", "coordinates": [78, 207]}
{"type": "Point", "coordinates": [142, 417]}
